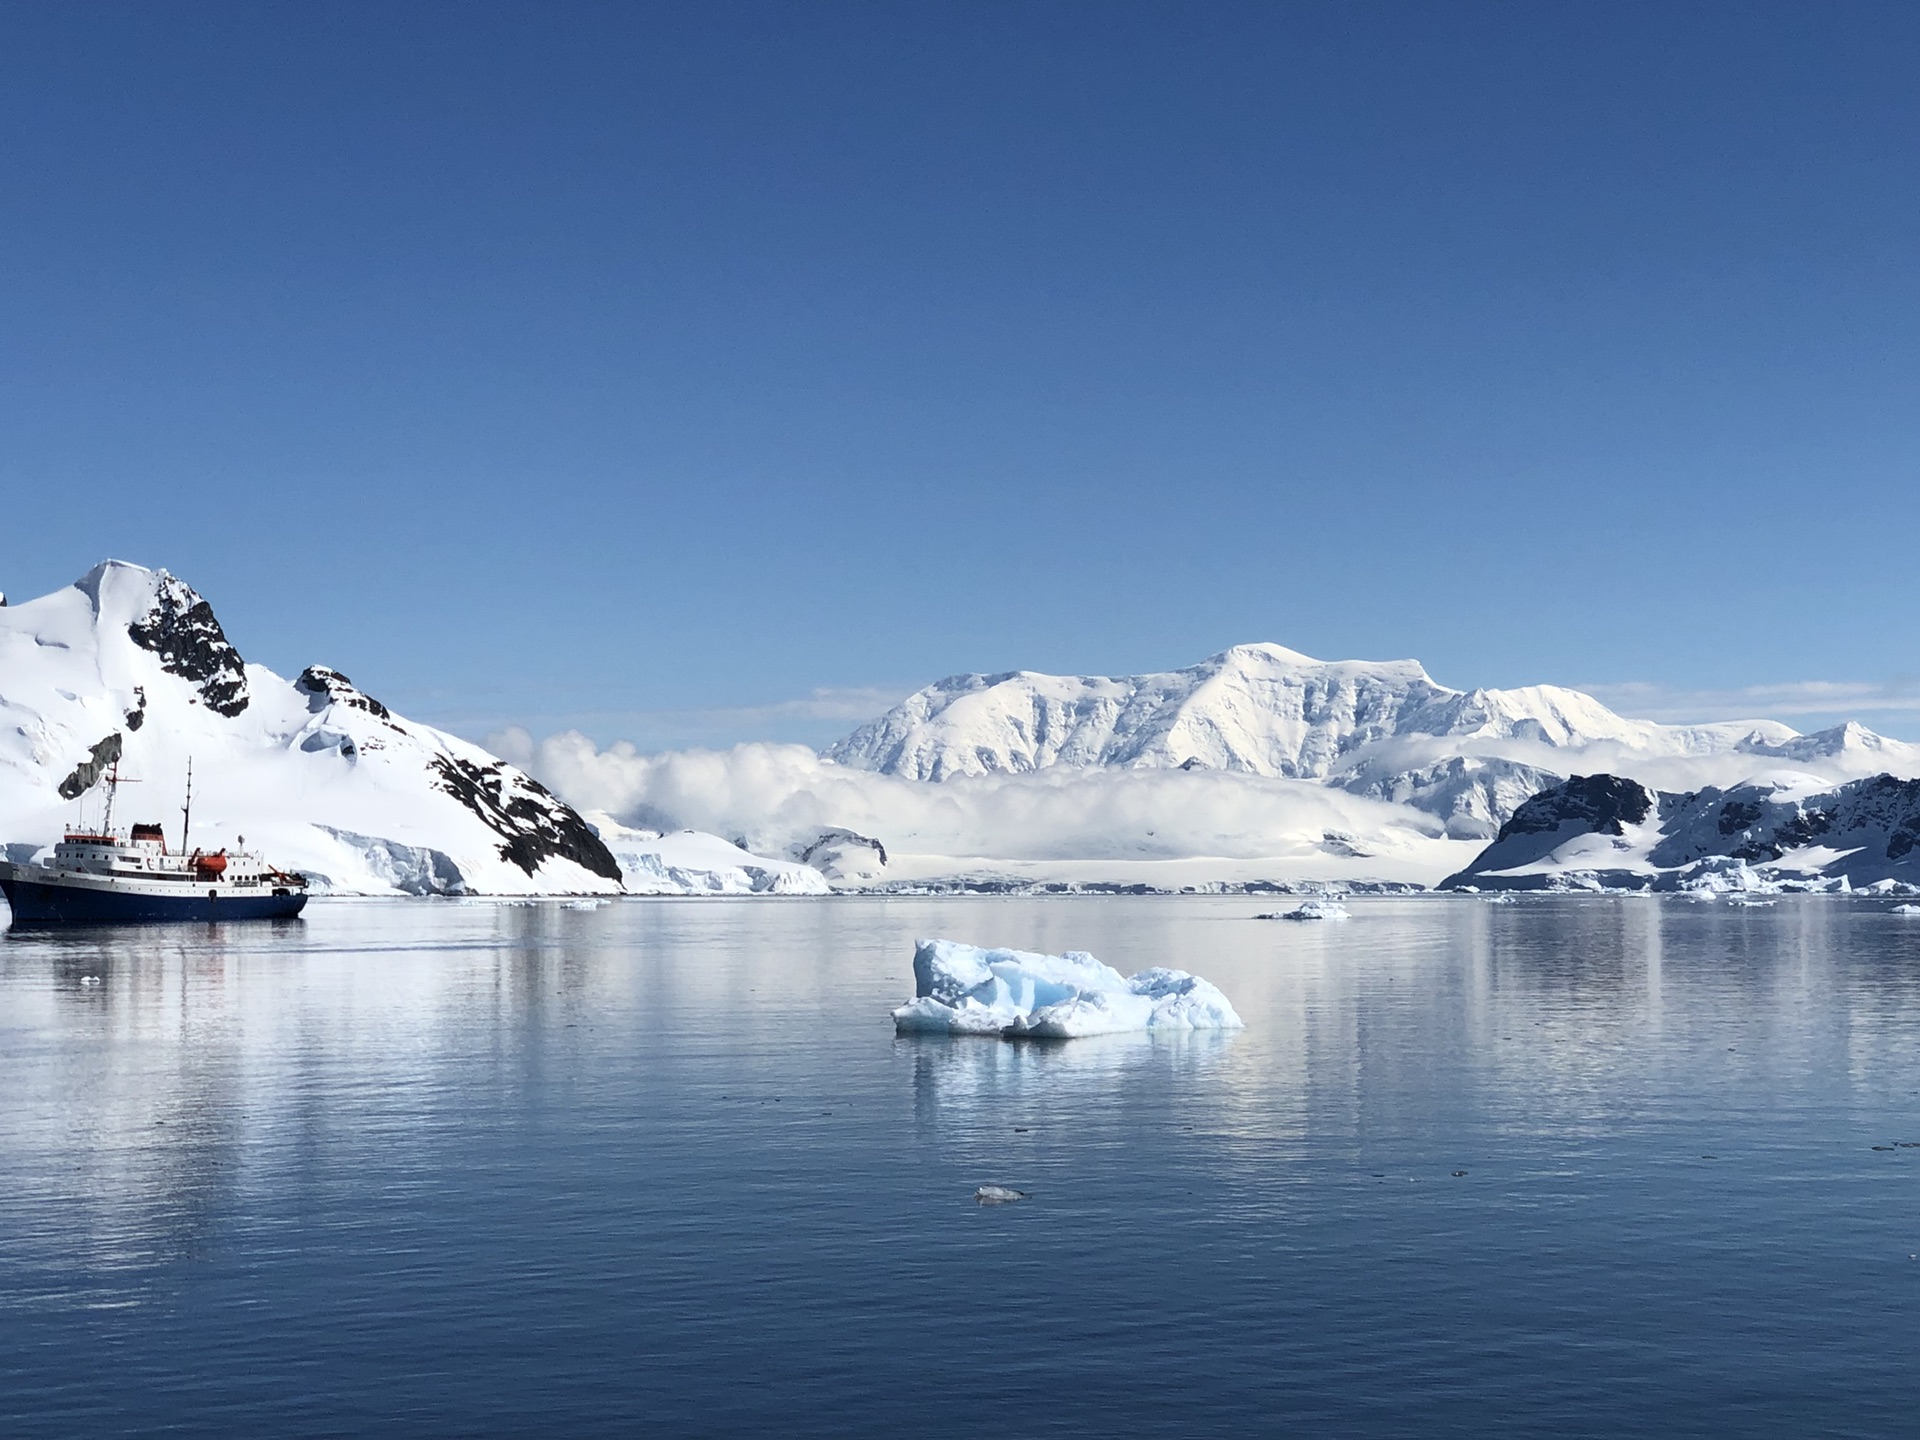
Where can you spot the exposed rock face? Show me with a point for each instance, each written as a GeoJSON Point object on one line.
{"type": "Point", "coordinates": [88, 771]}
{"type": "Point", "coordinates": [843, 855]}
{"type": "Point", "coordinates": [182, 631]}
{"type": "Point", "coordinates": [323, 685]}
{"type": "Point", "coordinates": [532, 824]}
{"type": "Point", "coordinates": [1603, 804]}
{"type": "Point", "coordinates": [842, 837]}
{"type": "Point", "coordinates": [1877, 821]}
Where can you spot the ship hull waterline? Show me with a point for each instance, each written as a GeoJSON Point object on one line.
{"type": "Point", "coordinates": [35, 903]}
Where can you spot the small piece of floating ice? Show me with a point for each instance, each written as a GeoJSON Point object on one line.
{"type": "Point", "coordinates": [999, 1195]}
{"type": "Point", "coordinates": [964, 990]}
{"type": "Point", "coordinates": [1312, 910]}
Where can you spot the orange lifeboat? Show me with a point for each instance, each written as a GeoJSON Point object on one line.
{"type": "Point", "coordinates": [210, 867]}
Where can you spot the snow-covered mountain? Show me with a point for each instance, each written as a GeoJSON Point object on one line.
{"type": "Point", "coordinates": [1259, 767]}
{"type": "Point", "coordinates": [1383, 729]}
{"type": "Point", "coordinates": [132, 664]}
{"type": "Point", "coordinates": [1777, 829]}
{"type": "Point", "coordinates": [1254, 709]}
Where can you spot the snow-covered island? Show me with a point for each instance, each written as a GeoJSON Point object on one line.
{"type": "Point", "coordinates": [965, 990]}
{"type": "Point", "coordinates": [1779, 831]}
{"type": "Point", "coordinates": [132, 662]}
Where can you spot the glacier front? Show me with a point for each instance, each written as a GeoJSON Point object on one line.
{"type": "Point", "coordinates": [965, 990]}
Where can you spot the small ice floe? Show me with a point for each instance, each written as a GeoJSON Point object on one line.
{"type": "Point", "coordinates": [1905, 910]}
{"type": "Point", "coordinates": [1747, 903]}
{"type": "Point", "coordinates": [1499, 899]}
{"type": "Point", "coordinates": [586, 904]}
{"type": "Point", "coordinates": [965, 990]}
{"type": "Point", "coordinates": [1312, 910]}
{"type": "Point", "coordinates": [89, 979]}
{"type": "Point", "coordinates": [999, 1195]}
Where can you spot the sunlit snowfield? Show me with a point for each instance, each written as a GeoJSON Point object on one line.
{"type": "Point", "coordinates": [662, 1168]}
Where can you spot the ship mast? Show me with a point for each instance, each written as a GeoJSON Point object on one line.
{"type": "Point", "coordinates": [113, 785]}
{"type": "Point", "coordinates": [186, 810]}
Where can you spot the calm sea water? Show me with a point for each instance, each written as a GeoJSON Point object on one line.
{"type": "Point", "coordinates": [1587, 1167]}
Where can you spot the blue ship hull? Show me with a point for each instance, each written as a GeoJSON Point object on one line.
{"type": "Point", "coordinates": [37, 904]}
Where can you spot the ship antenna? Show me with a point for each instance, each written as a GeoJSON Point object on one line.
{"type": "Point", "coordinates": [186, 810]}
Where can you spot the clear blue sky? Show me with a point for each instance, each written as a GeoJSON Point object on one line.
{"type": "Point", "coordinates": [647, 366]}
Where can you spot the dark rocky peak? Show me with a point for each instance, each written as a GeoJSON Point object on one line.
{"type": "Point", "coordinates": [88, 772]}
{"type": "Point", "coordinates": [182, 631]}
{"type": "Point", "coordinates": [1605, 803]}
{"type": "Point", "coordinates": [836, 838]}
{"type": "Point", "coordinates": [324, 686]}
{"type": "Point", "coordinates": [532, 823]}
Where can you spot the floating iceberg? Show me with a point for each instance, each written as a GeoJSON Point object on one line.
{"type": "Point", "coordinates": [1906, 909]}
{"type": "Point", "coordinates": [964, 990]}
{"type": "Point", "coordinates": [1312, 910]}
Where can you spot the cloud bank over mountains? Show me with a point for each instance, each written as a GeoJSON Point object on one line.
{"type": "Point", "coordinates": [1257, 763]}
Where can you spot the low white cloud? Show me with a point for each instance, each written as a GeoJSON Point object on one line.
{"type": "Point", "coordinates": [777, 795]}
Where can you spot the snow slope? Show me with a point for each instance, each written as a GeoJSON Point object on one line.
{"type": "Point", "coordinates": [315, 774]}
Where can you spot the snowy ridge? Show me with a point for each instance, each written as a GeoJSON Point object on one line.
{"type": "Point", "coordinates": [1383, 729]}
{"type": "Point", "coordinates": [131, 663]}
{"type": "Point", "coordinates": [1254, 709]}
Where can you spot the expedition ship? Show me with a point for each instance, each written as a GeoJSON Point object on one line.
{"type": "Point", "coordinates": [99, 877]}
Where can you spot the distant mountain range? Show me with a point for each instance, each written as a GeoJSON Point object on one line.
{"type": "Point", "coordinates": [1385, 730]}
